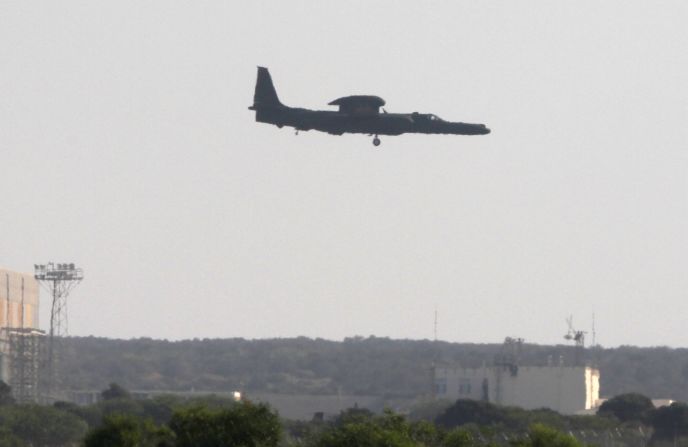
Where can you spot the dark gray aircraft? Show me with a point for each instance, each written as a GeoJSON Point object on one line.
{"type": "Point", "coordinates": [357, 114]}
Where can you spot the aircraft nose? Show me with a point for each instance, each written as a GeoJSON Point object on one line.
{"type": "Point", "coordinates": [482, 129]}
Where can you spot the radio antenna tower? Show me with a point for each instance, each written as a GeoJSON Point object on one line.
{"type": "Point", "coordinates": [58, 280]}
{"type": "Point", "coordinates": [578, 338]}
{"type": "Point", "coordinates": [435, 327]}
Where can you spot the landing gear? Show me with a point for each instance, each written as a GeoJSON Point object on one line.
{"type": "Point", "coordinates": [376, 141]}
{"type": "Point", "coordinates": [296, 132]}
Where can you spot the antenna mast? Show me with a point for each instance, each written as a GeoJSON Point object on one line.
{"type": "Point", "coordinates": [435, 329]}
{"type": "Point", "coordinates": [578, 338]}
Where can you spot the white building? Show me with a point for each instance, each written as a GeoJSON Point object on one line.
{"type": "Point", "coordinates": [18, 300]}
{"type": "Point", "coordinates": [565, 389]}
{"type": "Point", "coordinates": [20, 338]}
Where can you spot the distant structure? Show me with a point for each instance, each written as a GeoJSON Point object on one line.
{"type": "Point", "coordinates": [58, 280]}
{"type": "Point", "coordinates": [565, 389]}
{"type": "Point", "coordinates": [578, 338]}
{"type": "Point", "coordinates": [435, 326]}
{"type": "Point", "coordinates": [21, 341]}
{"type": "Point", "coordinates": [568, 389]}
{"type": "Point", "coordinates": [506, 362]}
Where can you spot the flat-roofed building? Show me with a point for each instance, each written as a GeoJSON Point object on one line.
{"type": "Point", "coordinates": [565, 389]}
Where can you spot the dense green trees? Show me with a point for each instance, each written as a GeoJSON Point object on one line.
{"type": "Point", "coordinates": [670, 422]}
{"type": "Point", "coordinates": [243, 425]}
{"type": "Point", "coordinates": [168, 421]}
{"type": "Point", "coordinates": [122, 421]}
{"type": "Point", "coordinates": [627, 407]}
{"type": "Point", "coordinates": [372, 366]}
{"type": "Point", "coordinates": [373, 432]}
{"type": "Point", "coordinates": [540, 435]}
{"type": "Point", "coordinates": [466, 411]}
{"type": "Point", "coordinates": [38, 425]}
{"type": "Point", "coordinates": [191, 424]}
{"type": "Point", "coordinates": [393, 430]}
{"type": "Point", "coordinates": [484, 414]}
{"type": "Point", "coordinates": [121, 430]}
{"type": "Point", "coordinates": [359, 428]}
{"type": "Point", "coordinates": [218, 422]}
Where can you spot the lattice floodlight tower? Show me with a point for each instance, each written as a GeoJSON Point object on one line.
{"type": "Point", "coordinates": [58, 280]}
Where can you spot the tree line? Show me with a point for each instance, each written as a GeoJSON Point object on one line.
{"type": "Point", "coordinates": [357, 365]}
{"type": "Point", "coordinates": [119, 420]}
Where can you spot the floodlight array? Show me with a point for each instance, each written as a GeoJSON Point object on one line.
{"type": "Point", "coordinates": [57, 272]}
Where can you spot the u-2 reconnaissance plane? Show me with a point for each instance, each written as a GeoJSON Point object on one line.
{"type": "Point", "coordinates": [357, 114]}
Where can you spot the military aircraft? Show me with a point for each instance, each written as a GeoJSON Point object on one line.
{"type": "Point", "coordinates": [357, 114]}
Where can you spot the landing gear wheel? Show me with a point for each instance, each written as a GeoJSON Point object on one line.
{"type": "Point", "coordinates": [376, 141]}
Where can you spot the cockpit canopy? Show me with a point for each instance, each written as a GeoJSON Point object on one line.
{"type": "Point", "coordinates": [426, 116]}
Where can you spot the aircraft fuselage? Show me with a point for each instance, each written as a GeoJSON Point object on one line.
{"type": "Point", "coordinates": [338, 123]}
{"type": "Point", "coordinates": [356, 114]}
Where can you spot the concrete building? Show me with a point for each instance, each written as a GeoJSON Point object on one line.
{"type": "Point", "coordinates": [20, 338]}
{"type": "Point", "coordinates": [565, 389]}
{"type": "Point", "coordinates": [18, 308]}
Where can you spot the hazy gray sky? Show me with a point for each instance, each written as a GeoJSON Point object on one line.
{"type": "Point", "coordinates": [126, 147]}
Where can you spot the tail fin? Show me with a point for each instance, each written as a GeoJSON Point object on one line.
{"type": "Point", "coordinates": [265, 94]}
